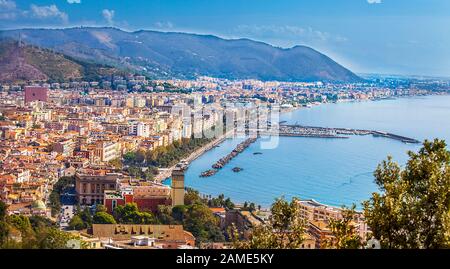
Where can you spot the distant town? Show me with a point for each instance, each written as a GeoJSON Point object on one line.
{"type": "Point", "coordinates": [93, 156]}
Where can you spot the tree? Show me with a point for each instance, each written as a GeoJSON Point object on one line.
{"type": "Point", "coordinates": [3, 210]}
{"type": "Point", "coordinates": [284, 230]}
{"type": "Point", "coordinates": [4, 227]}
{"type": "Point", "coordinates": [413, 210]}
{"type": "Point", "coordinates": [344, 231]}
{"type": "Point", "coordinates": [86, 216]}
{"type": "Point", "coordinates": [35, 232]}
{"type": "Point", "coordinates": [116, 163]}
{"type": "Point", "coordinates": [53, 238]}
{"type": "Point", "coordinates": [192, 197]}
{"type": "Point", "coordinates": [130, 214]}
{"type": "Point", "coordinates": [103, 218]}
{"type": "Point", "coordinates": [76, 223]}
{"type": "Point", "coordinates": [55, 196]}
{"type": "Point", "coordinates": [201, 222]}
{"type": "Point", "coordinates": [164, 215]}
{"type": "Point", "coordinates": [100, 208]}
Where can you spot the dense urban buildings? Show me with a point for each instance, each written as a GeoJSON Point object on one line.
{"type": "Point", "coordinates": [104, 134]}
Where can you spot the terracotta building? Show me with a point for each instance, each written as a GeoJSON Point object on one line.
{"type": "Point", "coordinates": [91, 187]}
{"type": "Point", "coordinates": [35, 93]}
{"type": "Point", "coordinates": [166, 236]}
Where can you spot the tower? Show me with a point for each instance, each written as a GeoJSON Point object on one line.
{"type": "Point", "coordinates": [178, 185]}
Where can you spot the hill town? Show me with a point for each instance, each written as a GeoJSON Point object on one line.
{"type": "Point", "coordinates": [91, 158]}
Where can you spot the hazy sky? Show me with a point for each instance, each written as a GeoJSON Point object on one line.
{"type": "Point", "coordinates": [367, 36]}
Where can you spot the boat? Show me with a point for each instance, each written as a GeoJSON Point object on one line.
{"type": "Point", "coordinates": [237, 169]}
{"type": "Point", "coordinates": [257, 153]}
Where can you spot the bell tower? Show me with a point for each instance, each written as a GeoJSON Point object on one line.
{"type": "Point", "coordinates": [178, 185]}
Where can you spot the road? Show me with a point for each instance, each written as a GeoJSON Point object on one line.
{"type": "Point", "coordinates": [66, 214]}
{"type": "Point", "coordinates": [166, 173]}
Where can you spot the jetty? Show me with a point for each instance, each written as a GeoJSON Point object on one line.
{"type": "Point", "coordinates": [165, 173]}
{"type": "Point", "coordinates": [208, 173]}
{"type": "Point", "coordinates": [338, 133]}
{"type": "Point", "coordinates": [239, 149]}
{"type": "Point", "coordinates": [226, 159]}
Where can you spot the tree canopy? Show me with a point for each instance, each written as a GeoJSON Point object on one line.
{"type": "Point", "coordinates": [284, 230]}
{"type": "Point", "coordinates": [413, 209]}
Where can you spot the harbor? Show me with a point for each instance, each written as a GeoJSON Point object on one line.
{"type": "Point", "coordinates": [339, 133]}
{"type": "Point", "coordinates": [301, 131]}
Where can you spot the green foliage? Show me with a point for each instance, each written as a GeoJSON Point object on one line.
{"type": "Point", "coordinates": [284, 230]}
{"type": "Point", "coordinates": [81, 220]}
{"type": "Point", "coordinates": [201, 222]}
{"type": "Point", "coordinates": [164, 215]}
{"type": "Point", "coordinates": [220, 201]}
{"type": "Point", "coordinates": [195, 216]}
{"type": "Point", "coordinates": [38, 222]}
{"type": "Point", "coordinates": [250, 206]}
{"type": "Point", "coordinates": [4, 230]}
{"type": "Point", "coordinates": [170, 155]}
{"type": "Point", "coordinates": [116, 163]}
{"type": "Point", "coordinates": [130, 214]}
{"type": "Point", "coordinates": [53, 238]}
{"type": "Point", "coordinates": [344, 231]}
{"type": "Point", "coordinates": [76, 223]}
{"type": "Point", "coordinates": [3, 210]}
{"type": "Point", "coordinates": [413, 210]}
{"type": "Point", "coordinates": [34, 232]}
{"type": "Point", "coordinates": [103, 218]}
{"type": "Point", "coordinates": [100, 208]}
{"type": "Point", "coordinates": [165, 156]}
{"type": "Point", "coordinates": [192, 197]}
{"type": "Point", "coordinates": [55, 196]}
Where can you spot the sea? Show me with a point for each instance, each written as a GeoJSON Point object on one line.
{"type": "Point", "coordinates": [335, 172]}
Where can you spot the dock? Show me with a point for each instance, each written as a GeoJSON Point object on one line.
{"type": "Point", "coordinates": [226, 159]}
{"type": "Point", "coordinates": [341, 133]}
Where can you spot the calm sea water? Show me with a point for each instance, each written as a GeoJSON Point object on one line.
{"type": "Point", "coordinates": [332, 171]}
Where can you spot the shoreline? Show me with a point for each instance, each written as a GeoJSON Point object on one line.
{"type": "Point", "coordinates": [199, 153]}
{"type": "Point", "coordinates": [167, 172]}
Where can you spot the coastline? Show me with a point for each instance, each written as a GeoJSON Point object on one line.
{"type": "Point", "coordinates": [167, 172]}
{"type": "Point", "coordinates": [293, 109]}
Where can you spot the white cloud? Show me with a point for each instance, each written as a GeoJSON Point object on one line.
{"type": "Point", "coordinates": [287, 32]}
{"type": "Point", "coordinates": [74, 1]}
{"type": "Point", "coordinates": [164, 25]}
{"type": "Point", "coordinates": [374, 1]}
{"type": "Point", "coordinates": [48, 12]}
{"type": "Point", "coordinates": [7, 4]}
{"type": "Point", "coordinates": [8, 10]}
{"type": "Point", "coordinates": [108, 15]}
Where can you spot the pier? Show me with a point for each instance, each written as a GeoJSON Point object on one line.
{"type": "Point", "coordinates": [342, 133]}
{"type": "Point", "coordinates": [223, 161]}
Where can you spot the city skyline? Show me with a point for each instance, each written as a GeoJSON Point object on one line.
{"type": "Point", "coordinates": [383, 37]}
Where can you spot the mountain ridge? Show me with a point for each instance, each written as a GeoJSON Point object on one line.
{"type": "Point", "coordinates": [187, 55]}
{"type": "Point", "coordinates": [21, 63]}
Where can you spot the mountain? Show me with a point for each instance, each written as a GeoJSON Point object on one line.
{"type": "Point", "coordinates": [182, 55]}
{"type": "Point", "coordinates": [20, 62]}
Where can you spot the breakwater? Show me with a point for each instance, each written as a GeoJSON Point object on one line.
{"type": "Point", "coordinates": [325, 132]}
{"type": "Point", "coordinates": [226, 159]}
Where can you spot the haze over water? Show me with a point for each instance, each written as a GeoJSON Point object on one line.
{"type": "Point", "coordinates": [331, 171]}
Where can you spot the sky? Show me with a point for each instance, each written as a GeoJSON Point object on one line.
{"type": "Point", "coordinates": [404, 37]}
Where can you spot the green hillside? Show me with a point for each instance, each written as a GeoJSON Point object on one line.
{"type": "Point", "coordinates": [30, 63]}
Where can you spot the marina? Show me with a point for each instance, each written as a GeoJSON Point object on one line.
{"type": "Point", "coordinates": [342, 133]}
{"type": "Point", "coordinates": [332, 171]}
